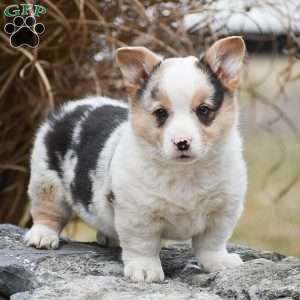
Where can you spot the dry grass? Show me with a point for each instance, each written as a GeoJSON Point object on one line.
{"type": "Point", "coordinates": [268, 223]}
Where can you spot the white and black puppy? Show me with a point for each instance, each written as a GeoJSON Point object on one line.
{"type": "Point", "coordinates": [167, 166]}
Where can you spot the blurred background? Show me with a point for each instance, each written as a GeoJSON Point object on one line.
{"type": "Point", "coordinates": [75, 58]}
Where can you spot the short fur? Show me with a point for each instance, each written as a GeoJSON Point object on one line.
{"type": "Point", "coordinates": [120, 168]}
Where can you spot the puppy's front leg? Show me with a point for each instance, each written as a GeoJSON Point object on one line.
{"type": "Point", "coordinates": [140, 242]}
{"type": "Point", "coordinates": [210, 247]}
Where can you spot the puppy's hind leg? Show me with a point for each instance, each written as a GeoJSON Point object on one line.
{"type": "Point", "coordinates": [50, 213]}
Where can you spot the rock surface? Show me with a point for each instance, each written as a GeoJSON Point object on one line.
{"type": "Point", "coordinates": [88, 271]}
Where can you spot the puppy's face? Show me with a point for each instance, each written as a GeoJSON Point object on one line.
{"type": "Point", "coordinates": [183, 106]}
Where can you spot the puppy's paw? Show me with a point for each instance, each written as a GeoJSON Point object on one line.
{"type": "Point", "coordinates": [144, 269]}
{"type": "Point", "coordinates": [217, 261]}
{"type": "Point", "coordinates": [41, 236]}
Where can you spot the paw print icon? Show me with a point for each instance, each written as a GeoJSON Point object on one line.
{"type": "Point", "coordinates": [24, 31]}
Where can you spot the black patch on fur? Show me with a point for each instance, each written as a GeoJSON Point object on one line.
{"type": "Point", "coordinates": [219, 89]}
{"type": "Point", "coordinates": [95, 131]}
{"type": "Point", "coordinates": [59, 139]}
{"type": "Point", "coordinates": [110, 197]}
{"type": "Point", "coordinates": [146, 81]}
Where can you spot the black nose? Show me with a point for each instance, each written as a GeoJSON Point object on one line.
{"type": "Point", "coordinates": [183, 145]}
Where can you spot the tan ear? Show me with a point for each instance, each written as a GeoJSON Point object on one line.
{"type": "Point", "coordinates": [225, 58]}
{"type": "Point", "coordinates": [136, 64]}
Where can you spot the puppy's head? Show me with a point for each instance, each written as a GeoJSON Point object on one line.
{"type": "Point", "coordinates": [183, 106]}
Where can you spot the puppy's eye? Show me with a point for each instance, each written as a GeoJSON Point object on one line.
{"type": "Point", "coordinates": [203, 111]}
{"type": "Point", "coordinates": [205, 114]}
{"type": "Point", "coordinates": [161, 115]}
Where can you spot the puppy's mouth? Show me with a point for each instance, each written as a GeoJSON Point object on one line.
{"type": "Point", "coordinates": [185, 157]}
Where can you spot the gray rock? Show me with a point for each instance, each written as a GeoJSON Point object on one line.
{"type": "Point", "coordinates": [87, 271]}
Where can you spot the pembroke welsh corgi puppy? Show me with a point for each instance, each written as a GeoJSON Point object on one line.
{"type": "Point", "coordinates": [168, 165]}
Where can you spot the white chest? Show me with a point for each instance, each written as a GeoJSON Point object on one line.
{"type": "Point", "coordinates": [183, 215]}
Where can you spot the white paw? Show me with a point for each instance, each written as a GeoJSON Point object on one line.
{"type": "Point", "coordinates": [41, 236]}
{"type": "Point", "coordinates": [217, 261]}
{"type": "Point", "coordinates": [144, 269]}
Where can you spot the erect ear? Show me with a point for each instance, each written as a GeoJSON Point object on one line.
{"type": "Point", "coordinates": [225, 58]}
{"type": "Point", "coordinates": [136, 64]}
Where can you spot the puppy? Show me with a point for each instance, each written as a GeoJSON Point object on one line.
{"type": "Point", "coordinates": [167, 166]}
